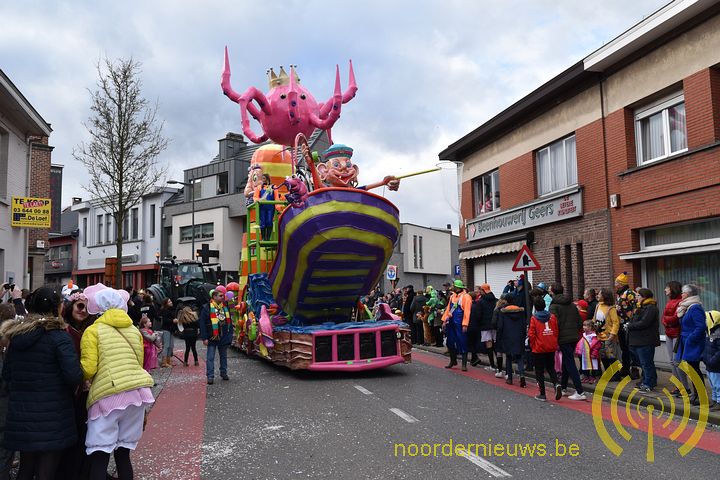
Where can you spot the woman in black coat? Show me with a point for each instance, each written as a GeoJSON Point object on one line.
{"type": "Point", "coordinates": [511, 333]}
{"type": "Point", "coordinates": [644, 335]}
{"type": "Point", "coordinates": [188, 320]}
{"type": "Point", "coordinates": [473, 330]}
{"type": "Point", "coordinates": [42, 370]}
{"type": "Point", "coordinates": [168, 326]}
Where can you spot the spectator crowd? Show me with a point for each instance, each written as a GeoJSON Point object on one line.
{"type": "Point", "coordinates": [567, 339]}
{"type": "Point", "coordinates": [75, 382]}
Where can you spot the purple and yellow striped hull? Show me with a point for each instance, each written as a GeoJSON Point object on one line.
{"type": "Point", "coordinates": [332, 251]}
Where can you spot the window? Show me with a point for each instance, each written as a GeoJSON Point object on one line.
{"type": "Point", "coordinates": [60, 252]}
{"type": "Point", "coordinates": [557, 166]}
{"type": "Point", "coordinates": [197, 188]}
{"type": "Point", "coordinates": [126, 226]}
{"type": "Point", "coordinates": [420, 255]}
{"type": "Point", "coordinates": [569, 272]}
{"type": "Point", "coordinates": [108, 229]}
{"type": "Point", "coordinates": [134, 223]}
{"type": "Point", "coordinates": [681, 233]}
{"type": "Point", "coordinates": [415, 251]}
{"type": "Point", "coordinates": [486, 192]}
{"type": "Point", "coordinates": [660, 129]}
{"type": "Point", "coordinates": [222, 183]}
{"type": "Point", "coordinates": [84, 232]}
{"type": "Point", "coordinates": [128, 279]}
{"type": "Point", "coordinates": [580, 269]}
{"type": "Point", "coordinates": [202, 232]}
{"type": "Point", "coordinates": [556, 253]}
{"type": "Point", "coordinates": [701, 269]}
{"type": "Point", "coordinates": [152, 220]}
{"type": "Point", "coordinates": [207, 231]}
{"type": "Point", "coordinates": [99, 233]}
{"type": "Point", "coordinates": [4, 161]}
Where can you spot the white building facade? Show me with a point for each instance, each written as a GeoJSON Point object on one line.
{"type": "Point", "coordinates": [20, 125]}
{"type": "Point", "coordinates": [141, 240]}
{"type": "Point", "coordinates": [423, 256]}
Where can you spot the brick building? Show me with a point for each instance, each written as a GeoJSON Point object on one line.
{"type": "Point", "coordinates": [611, 166]}
{"type": "Point", "coordinates": [39, 186]}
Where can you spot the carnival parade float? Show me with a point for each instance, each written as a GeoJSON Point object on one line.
{"type": "Point", "coordinates": [315, 241]}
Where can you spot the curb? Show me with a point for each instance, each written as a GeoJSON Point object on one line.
{"type": "Point", "coordinates": [713, 417]}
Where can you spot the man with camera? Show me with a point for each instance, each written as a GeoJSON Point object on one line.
{"type": "Point", "coordinates": [14, 295]}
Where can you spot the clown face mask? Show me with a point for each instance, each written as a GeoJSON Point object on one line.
{"type": "Point", "coordinates": [339, 172]}
{"type": "Point", "coordinates": [255, 179]}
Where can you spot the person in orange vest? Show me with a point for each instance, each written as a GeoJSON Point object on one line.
{"type": "Point", "coordinates": [455, 323]}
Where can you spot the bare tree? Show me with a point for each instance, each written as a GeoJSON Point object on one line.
{"type": "Point", "coordinates": [125, 141]}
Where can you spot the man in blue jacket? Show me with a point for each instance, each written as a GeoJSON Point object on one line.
{"type": "Point", "coordinates": [216, 332]}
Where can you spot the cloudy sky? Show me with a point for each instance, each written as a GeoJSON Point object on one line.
{"type": "Point", "coordinates": [428, 71]}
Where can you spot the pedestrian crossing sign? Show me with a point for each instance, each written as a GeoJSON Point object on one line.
{"type": "Point", "coordinates": [525, 260]}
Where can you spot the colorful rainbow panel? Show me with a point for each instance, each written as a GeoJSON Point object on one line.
{"type": "Point", "coordinates": [332, 251]}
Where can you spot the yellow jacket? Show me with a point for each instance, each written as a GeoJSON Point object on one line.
{"type": "Point", "coordinates": [612, 321]}
{"type": "Point", "coordinates": [111, 355]}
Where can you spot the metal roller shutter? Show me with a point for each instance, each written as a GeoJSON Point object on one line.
{"type": "Point", "coordinates": [498, 270]}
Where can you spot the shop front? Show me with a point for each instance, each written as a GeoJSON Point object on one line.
{"type": "Point", "coordinates": [553, 227]}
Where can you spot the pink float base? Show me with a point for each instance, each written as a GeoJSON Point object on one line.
{"type": "Point", "coordinates": [357, 363]}
{"type": "Point", "coordinates": [356, 366]}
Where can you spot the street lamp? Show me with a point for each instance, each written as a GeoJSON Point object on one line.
{"type": "Point", "coordinates": [190, 184]}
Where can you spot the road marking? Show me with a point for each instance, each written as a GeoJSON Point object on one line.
{"type": "Point", "coordinates": [363, 390]}
{"type": "Point", "coordinates": [408, 418]}
{"type": "Point", "coordinates": [490, 468]}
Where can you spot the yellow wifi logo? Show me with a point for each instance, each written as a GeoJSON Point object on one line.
{"type": "Point", "coordinates": [650, 410]}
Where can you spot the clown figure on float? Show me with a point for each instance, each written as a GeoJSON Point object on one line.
{"type": "Point", "coordinates": [340, 171]}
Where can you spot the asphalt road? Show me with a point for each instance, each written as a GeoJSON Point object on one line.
{"type": "Point", "coordinates": [271, 423]}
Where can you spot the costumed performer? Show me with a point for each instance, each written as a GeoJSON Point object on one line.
{"type": "Point", "coordinates": [455, 323]}
{"type": "Point", "coordinates": [340, 171]}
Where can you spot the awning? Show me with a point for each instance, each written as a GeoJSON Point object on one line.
{"type": "Point", "coordinates": [492, 250]}
{"type": "Point", "coordinates": [666, 252]}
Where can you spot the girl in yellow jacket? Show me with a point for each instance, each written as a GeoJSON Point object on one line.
{"type": "Point", "coordinates": [111, 356]}
{"type": "Point", "coordinates": [607, 324]}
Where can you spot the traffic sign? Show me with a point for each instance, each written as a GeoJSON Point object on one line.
{"type": "Point", "coordinates": [525, 260]}
{"type": "Point", "coordinates": [391, 272]}
{"type": "Point", "coordinates": [457, 270]}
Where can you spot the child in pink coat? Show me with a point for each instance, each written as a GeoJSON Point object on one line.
{"type": "Point", "coordinates": [588, 349]}
{"type": "Point", "coordinates": [151, 344]}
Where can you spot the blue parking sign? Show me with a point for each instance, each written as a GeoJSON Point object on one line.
{"type": "Point", "coordinates": [457, 270]}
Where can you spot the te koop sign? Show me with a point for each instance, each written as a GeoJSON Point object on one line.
{"type": "Point", "coordinates": [31, 212]}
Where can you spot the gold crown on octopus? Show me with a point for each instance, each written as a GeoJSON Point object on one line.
{"type": "Point", "coordinates": [277, 80]}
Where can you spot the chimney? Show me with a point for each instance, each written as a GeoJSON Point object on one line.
{"type": "Point", "coordinates": [231, 145]}
{"type": "Point", "coordinates": [76, 200]}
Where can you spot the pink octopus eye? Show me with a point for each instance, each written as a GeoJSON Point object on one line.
{"type": "Point", "coordinates": [283, 96]}
{"type": "Point", "coordinates": [303, 97]}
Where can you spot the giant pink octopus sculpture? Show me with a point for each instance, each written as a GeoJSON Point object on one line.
{"type": "Point", "coordinates": [288, 108]}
